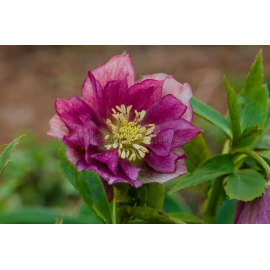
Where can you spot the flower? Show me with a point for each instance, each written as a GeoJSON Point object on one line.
{"type": "Point", "coordinates": [126, 131]}
{"type": "Point", "coordinates": [254, 212]}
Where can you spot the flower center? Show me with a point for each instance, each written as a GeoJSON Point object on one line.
{"type": "Point", "coordinates": [128, 137]}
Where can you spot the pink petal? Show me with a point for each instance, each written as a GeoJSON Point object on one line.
{"type": "Point", "coordinates": [157, 76]}
{"type": "Point", "coordinates": [58, 128]}
{"type": "Point", "coordinates": [71, 110]}
{"type": "Point", "coordinates": [110, 158]}
{"type": "Point", "coordinates": [165, 109]}
{"type": "Point", "coordinates": [162, 164]}
{"type": "Point", "coordinates": [88, 93]}
{"type": "Point", "coordinates": [100, 104]}
{"type": "Point", "coordinates": [150, 175]}
{"type": "Point", "coordinates": [182, 92]}
{"type": "Point", "coordinates": [115, 69]}
{"type": "Point", "coordinates": [115, 93]}
{"type": "Point", "coordinates": [161, 144]}
{"type": "Point", "coordinates": [130, 170]}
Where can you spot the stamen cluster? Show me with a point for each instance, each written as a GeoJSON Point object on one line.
{"type": "Point", "coordinates": [126, 136]}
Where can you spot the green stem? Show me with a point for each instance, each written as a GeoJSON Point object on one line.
{"type": "Point", "coordinates": [210, 212]}
{"type": "Point", "coordinates": [256, 157]}
{"type": "Point", "coordinates": [113, 213]}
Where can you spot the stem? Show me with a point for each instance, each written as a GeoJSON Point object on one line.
{"type": "Point", "coordinates": [210, 212]}
{"type": "Point", "coordinates": [256, 157]}
{"type": "Point", "coordinates": [113, 213]}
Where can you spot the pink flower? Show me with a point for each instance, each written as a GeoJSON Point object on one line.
{"type": "Point", "coordinates": [127, 131]}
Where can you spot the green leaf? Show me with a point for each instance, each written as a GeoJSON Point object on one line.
{"type": "Point", "coordinates": [197, 152]}
{"type": "Point", "coordinates": [245, 185]}
{"type": "Point", "coordinates": [92, 191]}
{"type": "Point", "coordinates": [60, 220]}
{"type": "Point", "coordinates": [265, 154]}
{"type": "Point", "coordinates": [153, 216]}
{"type": "Point", "coordinates": [226, 212]}
{"type": "Point", "coordinates": [248, 136]}
{"type": "Point", "coordinates": [41, 215]}
{"type": "Point", "coordinates": [264, 143]}
{"type": "Point", "coordinates": [233, 110]}
{"type": "Point", "coordinates": [212, 116]}
{"type": "Point", "coordinates": [187, 218]}
{"type": "Point", "coordinates": [4, 158]}
{"type": "Point", "coordinates": [151, 195]}
{"type": "Point", "coordinates": [253, 107]}
{"type": "Point", "coordinates": [255, 76]}
{"type": "Point", "coordinates": [212, 168]}
{"type": "Point", "coordinates": [66, 167]}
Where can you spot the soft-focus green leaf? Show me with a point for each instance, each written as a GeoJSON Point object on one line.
{"type": "Point", "coordinates": [92, 191]}
{"type": "Point", "coordinates": [233, 110]}
{"type": "Point", "coordinates": [40, 215]}
{"type": "Point", "coordinates": [248, 136]}
{"type": "Point", "coordinates": [4, 158]}
{"type": "Point", "coordinates": [253, 107]}
{"type": "Point", "coordinates": [264, 143]}
{"type": "Point", "coordinates": [245, 185]}
{"type": "Point", "coordinates": [212, 168]}
{"type": "Point", "coordinates": [66, 167]}
{"type": "Point", "coordinates": [151, 195]}
{"type": "Point", "coordinates": [226, 212]}
{"type": "Point", "coordinates": [60, 220]}
{"type": "Point", "coordinates": [187, 218]}
{"type": "Point", "coordinates": [197, 152]}
{"type": "Point", "coordinates": [265, 154]}
{"type": "Point", "coordinates": [211, 115]}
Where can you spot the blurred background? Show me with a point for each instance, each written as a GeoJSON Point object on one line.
{"type": "Point", "coordinates": [32, 189]}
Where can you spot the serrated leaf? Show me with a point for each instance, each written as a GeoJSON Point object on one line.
{"type": "Point", "coordinates": [248, 136]}
{"type": "Point", "coordinates": [245, 185]}
{"type": "Point", "coordinates": [197, 152]}
{"type": "Point", "coordinates": [92, 191]}
{"type": "Point", "coordinates": [151, 195]}
{"type": "Point", "coordinates": [60, 220]}
{"type": "Point", "coordinates": [233, 110]}
{"type": "Point", "coordinates": [4, 158]}
{"type": "Point", "coordinates": [187, 218]}
{"type": "Point", "coordinates": [255, 76]}
{"type": "Point", "coordinates": [253, 107]}
{"type": "Point", "coordinates": [212, 168]}
{"type": "Point", "coordinates": [212, 116]}
{"type": "Point", "coordinates": [66, 167]}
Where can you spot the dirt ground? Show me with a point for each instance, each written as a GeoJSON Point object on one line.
{"type": "Point", "coordinates": [32, 77]}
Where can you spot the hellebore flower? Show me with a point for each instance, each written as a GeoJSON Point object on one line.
{"type": "Point", "coordinates": [126, 131]}
{"type": "Point", "coordinates": [254, 212]}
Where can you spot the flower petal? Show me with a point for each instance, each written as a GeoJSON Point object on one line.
{"type": "Point", "coordinates": [100, 104]}
{"type": "Point", "coordinates": [150, 175]}
{"type": "Point", "coordinates": [110, 158]}
{"type": "Point", "coordinates": [161, 144]}
{"type": "Point", "coordinates": [164, 109]}
{"type": "Point", "coordinates": [85, 135]}
{"type": "Point", "coordinates": [162, 164]}
{"type": "Point", "coordinates": [184, 131]}
{"type": "Point", "coordinates": [58, 128]}
{"type": "Point", "coordinates": [130, 169]}
{"type": "Point", "coordinates": [115, 93]}
{"type": "Point", "coordinates": [87, 93]}
{"type": "Point", "coordinates": [157, 76]}
{"type": "Point", "coordinates": [181, 91]}
{"type": "Point", "coordinates": [115, 69]}
{"type": "Point", "coordinates": [70, 110]}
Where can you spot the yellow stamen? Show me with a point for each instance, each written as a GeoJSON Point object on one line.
{"type": "Point", "coordinates": [128, 136]}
